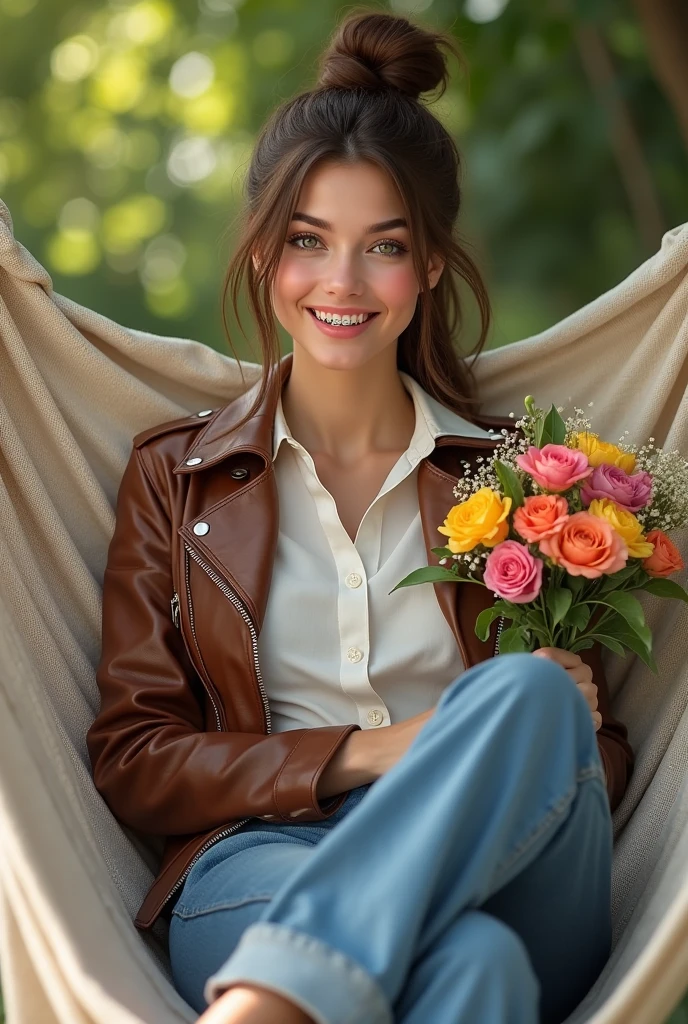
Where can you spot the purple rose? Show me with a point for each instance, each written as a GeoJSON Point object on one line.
{"type": "Point", "coordinates": [608, 481]}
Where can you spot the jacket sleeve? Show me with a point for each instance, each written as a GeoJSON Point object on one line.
{"type": "Point", "coordinates": [612, 736]}
{"type": "Point", "coordinates": [153, 761]}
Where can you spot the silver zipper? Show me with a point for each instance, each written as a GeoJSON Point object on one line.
{"type": "Point", "coordinates": [231, 596]}
{"type": "Point", "coordinates": [218, 720]}
{"type": "Point", "coordinates": [206, 846]}
{"type": "Point", "coordinates": [229, 593]}
{"type": "Point", "coordinates": [174, 606]}
{"type": "Point", "coordinates": [500, 627]}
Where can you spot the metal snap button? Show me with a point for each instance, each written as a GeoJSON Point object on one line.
{"type": "Point", "coordinates": [239, 473]}
{"type": "Point", "coordinates": [194, 462]}
{"type": "Point", "coordinates": [201, 528]}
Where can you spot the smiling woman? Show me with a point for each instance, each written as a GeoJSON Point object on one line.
{"type": "Point", "coordinates": [264, 686]}
{"type": "Point", "coordinates": [362, 147]}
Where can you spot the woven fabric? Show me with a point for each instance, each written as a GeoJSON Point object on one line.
{"type": "Point", "coordinates": [74, 389]}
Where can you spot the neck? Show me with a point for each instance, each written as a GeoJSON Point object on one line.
{"type": "Point", "coordinates": [347, 415]}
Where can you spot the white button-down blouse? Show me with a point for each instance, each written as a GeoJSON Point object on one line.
{"type": "Point", "coordinates": [335, 646]}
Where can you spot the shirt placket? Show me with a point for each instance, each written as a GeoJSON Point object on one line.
{"type": "Point", "coordinates": [352, 588]}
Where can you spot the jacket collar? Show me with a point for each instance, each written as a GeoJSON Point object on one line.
{"type": "Point", "coordinates": [219, 438]}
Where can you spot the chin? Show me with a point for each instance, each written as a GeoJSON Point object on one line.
{"type": "Point", "coordinates": [344, 355]}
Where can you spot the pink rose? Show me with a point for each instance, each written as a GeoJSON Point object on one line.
{"type": "Point", "coordinates": [608, 481]}
{"type": "Point", "coordinates": [555, 467]}
{"type": "Point", "coordinates": [513, 573]}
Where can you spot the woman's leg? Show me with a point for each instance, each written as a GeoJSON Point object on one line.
{"type": "Point", "coordinates": [478, 972]}
{"type": "Point", "coordinates": [490, 781]}
{"type": "Point", "coordinates": [228, 888]}
{"type": "Point", "coordinates": [228, 893]}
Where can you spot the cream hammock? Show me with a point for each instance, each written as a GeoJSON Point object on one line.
{"type": "Point", "coordinates": [74, 388]}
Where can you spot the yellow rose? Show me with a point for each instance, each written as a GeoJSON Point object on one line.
{"type": "Point", "coordinates": [602, 451]}
{"type": "Point", "coordinates": [482, 519]}
{"type": "Point", "coordinates": [625, 524]}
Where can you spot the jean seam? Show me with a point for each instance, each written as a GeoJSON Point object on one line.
{"type": "Point", "coordinates": [190, 912]}
{"type": "Point", "coordinates": [556, 811]}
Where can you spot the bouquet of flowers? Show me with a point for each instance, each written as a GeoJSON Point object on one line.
{"type": "Point", "coordinates": [561, 527]}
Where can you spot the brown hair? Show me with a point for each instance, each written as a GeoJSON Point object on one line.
{"type": "Point", "coordinates": [366, 106]}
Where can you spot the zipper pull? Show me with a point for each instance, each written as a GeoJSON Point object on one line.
{"type": "Point", "coordinates": [174, 605]}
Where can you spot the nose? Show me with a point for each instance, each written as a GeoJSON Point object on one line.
{"type": "Point", "coordinates": [343, 275]}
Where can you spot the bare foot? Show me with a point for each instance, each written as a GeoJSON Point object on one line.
{"type": "Point", "coordinates": [248, 1004]}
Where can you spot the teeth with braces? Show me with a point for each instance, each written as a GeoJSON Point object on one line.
{"type": "Point", "coordinates": [342, 321]}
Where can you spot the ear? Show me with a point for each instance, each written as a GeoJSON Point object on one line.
{"type": "Point", "coordinates": [435, 268]}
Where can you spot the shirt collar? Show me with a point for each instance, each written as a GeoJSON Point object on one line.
{"type": "Point", "coordinates": [432, 421]}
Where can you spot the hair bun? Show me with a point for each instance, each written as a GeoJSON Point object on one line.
{"type": "Point", "coordinates": [383, 51]}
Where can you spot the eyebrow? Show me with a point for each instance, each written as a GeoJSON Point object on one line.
{"type": "Point", "coordinates": [384, 225]}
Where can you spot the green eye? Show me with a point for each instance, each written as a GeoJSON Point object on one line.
{"type": "Point", "coordinates": [398, 247]}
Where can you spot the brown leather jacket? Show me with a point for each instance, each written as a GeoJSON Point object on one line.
{"type": "Point", "coordinates": [182, 746]}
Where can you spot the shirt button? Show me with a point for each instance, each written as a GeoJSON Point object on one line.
{"type": "Point", "coordinates": [353, 654]}
{"type": "Point", "coordinates": [353, 580]}
{"type": "Point", "coordinates": [374, 717]}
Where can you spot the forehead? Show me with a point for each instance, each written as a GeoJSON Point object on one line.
{"type": "Point", "coordinates": [348, 195]}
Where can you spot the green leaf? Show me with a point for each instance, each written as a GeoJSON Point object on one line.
{"type": "Point", "coordinates": [430, 574]}
{"type": "Point", "coordinates": [582, 645]}
{"type": "Point", "coordinates": [558, 600]}
{"type": "Point", "coordinates": [578, 615]}
{"type": "Point", "coordinates": [575, 584]}
{"type": "Point", "coordinates": [665, 588]}
{"type": "Point", "coordinates": [442, 552]}
{"type": "Point", "coordinates": [553, 428]}
{"type": "Point", "coordinates": [511, 485]}
{"type": "Point", "coordinates": [609, 641]}
{"type": "Point", "coordinates": [513, 640]}
{"type": "Point", "coordinates": [535, 618]}
{"type": "Point", "coordinates": [630, 609]}
{"type": "Point", "coordinates": [618, 628]}
{"type": "Point", "coordinates": [484, 621]}
{"type": "Point", "coordinates": [612, 582]}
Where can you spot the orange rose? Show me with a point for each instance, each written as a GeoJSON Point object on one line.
{"type": "Point", "coordinates": [540, 516]}
{"type": "Point", "coordinates": [665, 558]}
{"type": "Point", "coordinates": [586, 546]}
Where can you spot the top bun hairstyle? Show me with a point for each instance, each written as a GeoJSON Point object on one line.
{"type": "Point", "coordinates": [366, 106]}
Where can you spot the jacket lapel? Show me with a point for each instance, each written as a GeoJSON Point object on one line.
{"type": "Point", "coordinates": [238, 519]}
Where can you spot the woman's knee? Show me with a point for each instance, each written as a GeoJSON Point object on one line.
{"type": "Point", "coordinates": [521, 684]}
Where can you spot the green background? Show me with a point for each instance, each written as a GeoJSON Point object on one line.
{"type": "Point", "coordinates": [126, 128]}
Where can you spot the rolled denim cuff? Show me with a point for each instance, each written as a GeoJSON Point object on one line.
{"type": "Point", "coordinates": [324, 982]}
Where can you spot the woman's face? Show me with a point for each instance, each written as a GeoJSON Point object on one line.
{"type": "Point", "coordinates": [351, 260]}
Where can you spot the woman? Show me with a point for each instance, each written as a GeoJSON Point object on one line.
{"type": "Point", "coordinates": [368, 816]}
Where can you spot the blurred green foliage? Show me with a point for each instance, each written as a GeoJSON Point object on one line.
{"type": "Point", "coordinates": [126, 127]}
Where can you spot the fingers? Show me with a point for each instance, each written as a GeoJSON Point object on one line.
{"type": "Point", "coordinates": [589, 691]}
{"type": "Point", "coordinates": [597, 719]}
{"type": "Point", "coordinates": [567, 659]}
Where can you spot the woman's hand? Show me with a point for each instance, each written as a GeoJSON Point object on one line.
{"type": "Point", "coordinates": [579, 672]}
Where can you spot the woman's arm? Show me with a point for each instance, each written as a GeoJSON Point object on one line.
{"type": "Point", "coordinates": [153, 762]}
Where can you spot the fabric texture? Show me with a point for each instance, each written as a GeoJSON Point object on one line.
{"type": "Point", "coordinates": [499, 805]}
{"type": "Point", "coordinates": [74, 389]}
{"type": "Point", "coordinates": [356, 659]}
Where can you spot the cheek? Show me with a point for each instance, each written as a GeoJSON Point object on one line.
{"type": "Point", "coordinates": [397, 288]}
{"type": "Point", "coordinates": [293, 280]}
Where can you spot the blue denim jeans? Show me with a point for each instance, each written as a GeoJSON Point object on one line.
{"type": "Point", "coordinates": [470, 884]}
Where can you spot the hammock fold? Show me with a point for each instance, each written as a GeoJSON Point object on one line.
{"type": "Point", "coordinates": [74, 389]}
